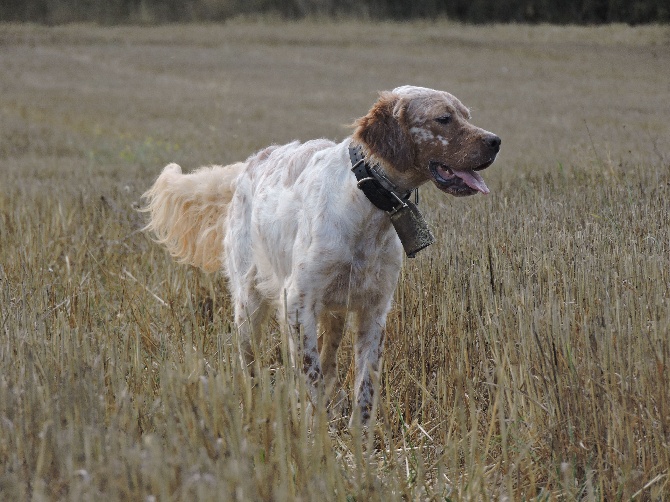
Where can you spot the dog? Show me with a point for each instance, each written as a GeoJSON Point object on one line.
{"type": "Point", "coordinates": [306, 230]}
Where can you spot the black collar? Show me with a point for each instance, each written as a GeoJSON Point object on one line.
{"type": "Point", "coordinates": [379, 190]}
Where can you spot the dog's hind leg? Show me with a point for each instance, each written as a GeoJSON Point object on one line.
{"type": "Point", "coordinates": [251, 310]}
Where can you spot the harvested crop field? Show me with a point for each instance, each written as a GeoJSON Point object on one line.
{"type": "Point", "coordinates": [528, 351]}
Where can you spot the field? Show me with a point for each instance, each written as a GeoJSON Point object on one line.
{"type": "Point", "coordinates": [528, 351]}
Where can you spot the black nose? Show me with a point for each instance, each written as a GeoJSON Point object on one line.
{"type": "Point", "coordinates": [493, 142]}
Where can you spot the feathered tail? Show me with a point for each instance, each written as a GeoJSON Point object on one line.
{"type": "Point", "coordinates": [188, 212]}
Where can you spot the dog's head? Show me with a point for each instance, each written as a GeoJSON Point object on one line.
{"type": "Point", "coordinates": [419, 134]}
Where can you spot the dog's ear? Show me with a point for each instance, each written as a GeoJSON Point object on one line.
{"type": "Point", "coordinates": [384, 132]}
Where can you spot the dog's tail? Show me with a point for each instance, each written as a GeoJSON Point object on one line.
{"type": "Point", "coordinates": [188, 212]}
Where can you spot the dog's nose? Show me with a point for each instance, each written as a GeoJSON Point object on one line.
{"type": "Point", "coordinates": [493, 142]}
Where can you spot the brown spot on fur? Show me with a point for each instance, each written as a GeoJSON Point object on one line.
{"type": "Point", "coordinates": [366, 393]}
{"type": "Point", "coordinates": [310, 368]}
{"type": "Point", "coordinates": [367, 386]}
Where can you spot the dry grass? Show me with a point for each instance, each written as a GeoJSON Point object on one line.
{"type": "Point", "coordinates": [528, 352]}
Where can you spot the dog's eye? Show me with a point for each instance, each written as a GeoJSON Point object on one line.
{"type": "Point", "coordinates": [444, 119]}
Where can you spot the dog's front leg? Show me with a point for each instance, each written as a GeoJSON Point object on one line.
{"type": "Point", "coordinates": [303, 344]}
{"type": "Point", "coordinates": [332, 325]}
{"type": "Point", "coordinates": [368, 350]}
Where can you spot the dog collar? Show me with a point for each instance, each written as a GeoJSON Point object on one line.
{"type": "Point", "coordinates": [406, 218]}
{"type": "Point", "coordinates": [379, 190]}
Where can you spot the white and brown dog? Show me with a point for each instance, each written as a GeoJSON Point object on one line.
{"type": "Point", "coordinates": [295, 233]}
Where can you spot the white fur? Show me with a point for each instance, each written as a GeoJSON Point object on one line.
{"type": "Point", "coordinates": [422, 135]}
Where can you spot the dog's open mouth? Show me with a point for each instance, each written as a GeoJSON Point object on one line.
{"type": "Point", "coordinates": [466, 182]}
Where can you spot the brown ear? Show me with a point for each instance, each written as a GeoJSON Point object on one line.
{"type": "Point", "coordinates": [384, 132]}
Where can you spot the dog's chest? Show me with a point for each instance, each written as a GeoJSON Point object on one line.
{"type": "Point", "coordinates": [367, 269]}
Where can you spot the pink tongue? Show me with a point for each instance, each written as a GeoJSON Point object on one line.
{"type": "Point", "coordinates": [473, 180]}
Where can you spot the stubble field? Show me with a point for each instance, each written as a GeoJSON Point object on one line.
{"type": "Point", "coordinates": [528, 352]}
